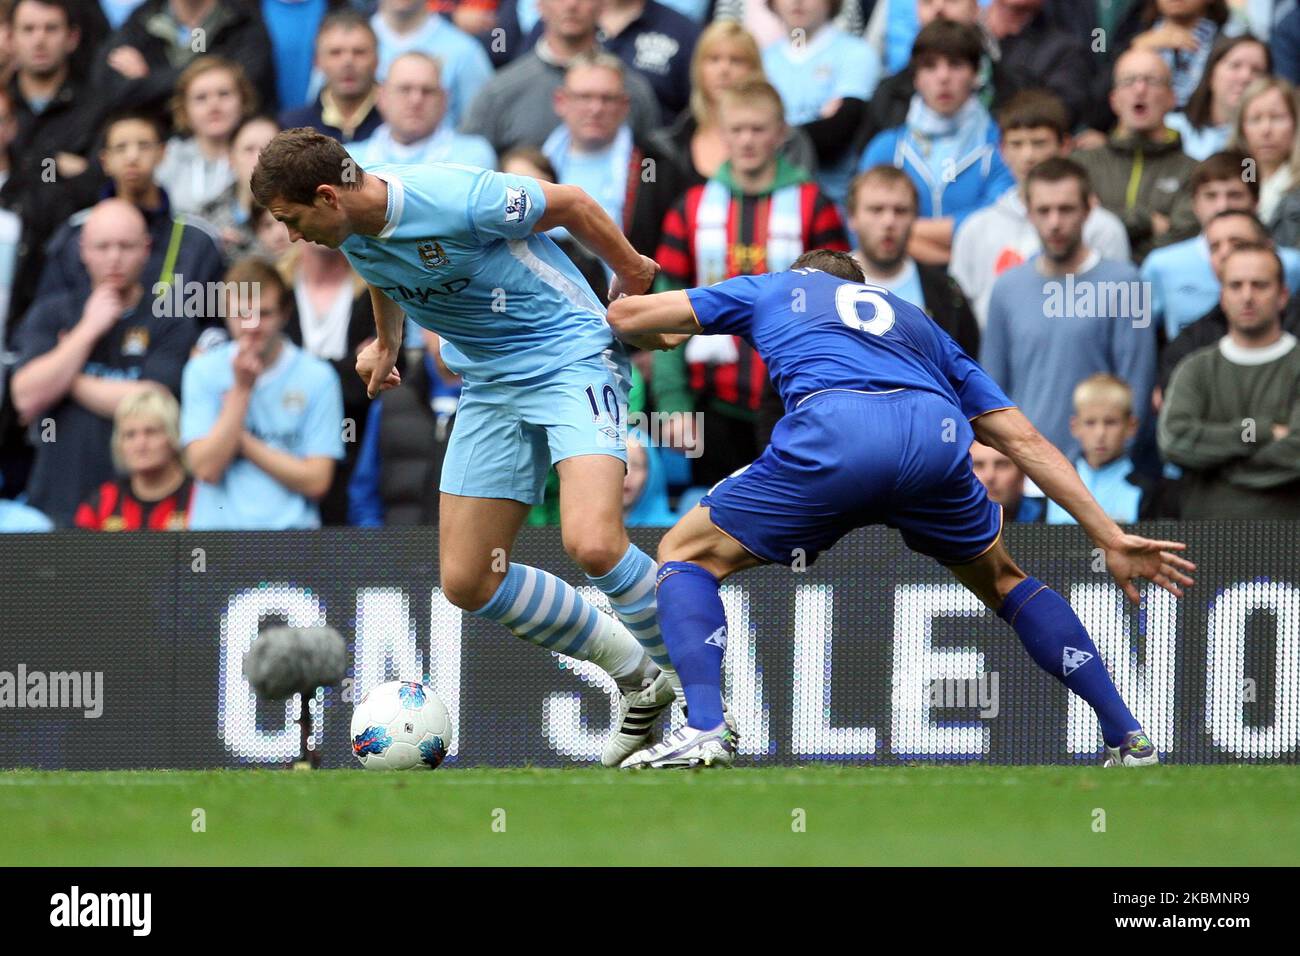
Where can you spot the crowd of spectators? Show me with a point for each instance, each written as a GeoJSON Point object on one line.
{"type": "Point", "coordinates": [1098, 199]}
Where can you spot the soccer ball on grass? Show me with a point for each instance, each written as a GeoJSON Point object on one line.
{"type": "Point", "coordinates": [400, 725]}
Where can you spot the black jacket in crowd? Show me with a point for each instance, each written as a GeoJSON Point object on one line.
{"type": "Point", "coordinates": [235, 31]}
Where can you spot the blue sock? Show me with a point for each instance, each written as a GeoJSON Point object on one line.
{"type": "Point", "coordinates": [630, 587]}
{"type": "Point", "coordinates": [1055, 638]}
{"type": "Point", "coordinates": [694, 628]}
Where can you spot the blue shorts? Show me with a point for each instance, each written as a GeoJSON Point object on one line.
{"type": "Point", "coordinates": [507, 435]}
{"type": "Point", "coordinates": [843, 460]}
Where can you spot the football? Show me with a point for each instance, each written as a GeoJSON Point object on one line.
{"type": "Point", "coordinates": [400, 725]}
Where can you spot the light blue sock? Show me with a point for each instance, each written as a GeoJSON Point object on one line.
{"type": "Point", "coordinates": [630, 587]}
{"type": "Point", "coordinates": [540, 608]}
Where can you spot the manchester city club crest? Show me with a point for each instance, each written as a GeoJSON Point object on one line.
{"type": "Point", "coordinates": [432, 254]}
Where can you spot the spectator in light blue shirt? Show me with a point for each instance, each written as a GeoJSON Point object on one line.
{"type": "Point", "coordinates": [825, 77]}
{"type": "Point", "coordinates": [413, 102]}
{"type": "Point", "coordinates": [592, 146]}
{"type": "Point", "coordinates": [1180, 276]}
{"type": "Point", "coordinates": [1103, 423]}
{"type": "Point", "coordinates": [403, 26]}
{"type": "Point", "coordinates": [261, 420]}
{"type": "Point", "coordinates": [17, 517]}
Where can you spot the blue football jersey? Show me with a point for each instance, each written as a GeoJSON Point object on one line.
{"type": "Point", "coordinates": [818, 332]}
{"type": "Point", "coordinates": [459, 255]}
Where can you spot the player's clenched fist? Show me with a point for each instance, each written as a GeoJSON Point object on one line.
{"type": "Point", "coordinates": [636, 283]}
{"type": "Point", "coordinates": [377, 366]}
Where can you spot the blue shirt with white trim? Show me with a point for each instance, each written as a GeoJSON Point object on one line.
{"type": "Point", "coordinates": [459, 255]}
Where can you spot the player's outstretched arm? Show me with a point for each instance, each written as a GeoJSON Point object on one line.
{"type": "Point", "coordinates": [1128, 556]}
{"type": "Point", "coordinates": [662, 321]}
{"type": "Point", "coordinates": [570, 207]}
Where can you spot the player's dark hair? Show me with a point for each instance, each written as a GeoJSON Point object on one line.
{"type": "Point", "coordinates": [1228, 164]}
{"type": "Point", "coordinates": [839, 264]}
{"type": "Point", "coordinates": [948, 40]}
{"type": "Point", "coordinates": [1035, 109]}
{"type": "Point", "coordinates": [1057, 169]}
{"type": "Point", "coordinates": [1260, 230]}
{"type": "Point", "coordinates": [298, 160]}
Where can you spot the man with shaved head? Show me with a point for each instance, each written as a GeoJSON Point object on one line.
{"type": "Point", "coordinates": [80, 355]}
{"type": "Point", "coordinates": [1140, 173]}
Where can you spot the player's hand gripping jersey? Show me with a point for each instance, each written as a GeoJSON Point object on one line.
{"type": "Point", "coordinates": [877, 431]}
{"type": "Point", "coordinates": [460, 257]}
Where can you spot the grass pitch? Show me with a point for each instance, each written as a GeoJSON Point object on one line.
{"type": "Point", "coordinates": [978, 815]}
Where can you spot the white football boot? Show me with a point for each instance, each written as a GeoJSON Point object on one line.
{"type": "Point", "coordinates": [637, 713]}
{"type": "Point", "coordinates": [686, 748]}
{"type": "Point", "coordinates": [1136, 751]}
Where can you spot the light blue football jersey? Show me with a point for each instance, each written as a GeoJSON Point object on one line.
{"type": "Point", "coordinates": [459, 255]}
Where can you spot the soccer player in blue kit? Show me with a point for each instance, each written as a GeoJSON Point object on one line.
{"type": "Point", "coordinates": [881, 409]}
{"type": "Point", "coordinates": [460, 250]}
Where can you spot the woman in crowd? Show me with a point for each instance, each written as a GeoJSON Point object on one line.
{"type": "Point", "coordinates": [152, 492]}
{"type": "Point", "coordinates": [1206, 125]}
{"type": "Point", "coordinates": [1266, 130]}
{"type": "Point", "coordinates": [231, 212]}
{"type": "Point", "coordinates": [724, 56]}
{"type": "Point", "coordinates": [212, 97]}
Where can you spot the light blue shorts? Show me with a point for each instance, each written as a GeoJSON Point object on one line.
{"type": "Point", "coordinates": [507, 435]}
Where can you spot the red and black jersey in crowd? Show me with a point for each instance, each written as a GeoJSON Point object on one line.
{"type": "Point", "coordinates": [740, 383]}
{"type": "Point", "coordinates": [115, 507]}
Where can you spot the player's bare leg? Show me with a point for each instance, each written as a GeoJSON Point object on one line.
{"type": "Point", "coordinates": [695, 556]}
{"type": "Point", "coordinates": [1058, 642]}
{"type": "Point", "coordinates": [475, 539]}
{"type": "Point", "coordinates": [591, 525]}
{"type": "Point", "coordinates": [475, 536]}
{"type": "Point", "coordinates": [695, 538]}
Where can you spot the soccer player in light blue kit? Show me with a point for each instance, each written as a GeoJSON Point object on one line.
{"type": "Point", "coordinates": [459, 249]}
{"type": "Point", "coordinates": [882, 407]}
